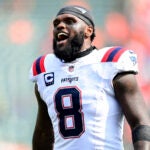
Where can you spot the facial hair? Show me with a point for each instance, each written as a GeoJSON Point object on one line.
{"type": "Point", "coordinates": [72, 48]}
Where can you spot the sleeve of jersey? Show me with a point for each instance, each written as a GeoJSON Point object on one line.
{"type": "Point", "coordinates": [117, 60]}
{"type": "Point", "coordinates": [37, 68]}
{"type": "Point", "coordinates": [127, 62]}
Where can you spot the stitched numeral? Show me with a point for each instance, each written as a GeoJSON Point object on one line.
{"type": "Point", "coordinates": [68, 106]}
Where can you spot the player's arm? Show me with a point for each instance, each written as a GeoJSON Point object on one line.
{"type": "Point", "coordinates": [131, 100]}
{"type": "Point", "coordinates": [43, 137]}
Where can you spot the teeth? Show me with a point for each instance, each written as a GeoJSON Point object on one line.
{"type": "Point", "coordinates": [62, 34]}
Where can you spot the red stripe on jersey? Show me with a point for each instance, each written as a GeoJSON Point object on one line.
{"type": "Point", "coordinates": [105, 57]}
{"type": "Point", "coordinates": [42, 64]}
{"type": "Point", "coordinates": [38, 65]}
{"type": "Point", "coordinates": [34, 68]}
{"type": "Point", "coordinates": [117, 56]}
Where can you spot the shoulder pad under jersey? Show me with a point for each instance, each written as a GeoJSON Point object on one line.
{"type": "Point", "coordinates": [38, 65]}
{"type": "Point", "coordinates": [123, 59]}
{"type": "Point", "coordinates": [113, 54]}
{"type": "Point", "coordinates": [37, 68]}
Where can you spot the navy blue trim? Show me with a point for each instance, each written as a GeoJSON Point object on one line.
{"type": "Point", "coordinates": [38, 69]}
{"type": "Point", "coordinates": [112, 54]}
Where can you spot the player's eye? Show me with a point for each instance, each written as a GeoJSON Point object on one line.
{"type": "Point", "coordinates": [70, 21]}
{"type": "Point", "coordinates": [56, 23]}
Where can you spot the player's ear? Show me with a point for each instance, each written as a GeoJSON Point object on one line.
{"type": "Point", "coordinates": [88, 31]}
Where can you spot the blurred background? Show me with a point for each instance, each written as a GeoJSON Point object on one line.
{"type": "Point", "coordinates": [26, 33]}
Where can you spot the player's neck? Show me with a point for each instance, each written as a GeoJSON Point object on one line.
{"type": "Point", "coordinates": [85, 52]}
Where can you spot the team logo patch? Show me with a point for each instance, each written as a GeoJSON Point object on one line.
{"type": "Point", "coordinates": [133, 57]}
{"type": "Point", "coordinates": [81, 10]}
{"type": "Point", "coordinates": [71, 68]}
{"type": "Point", "coordinates": [49, 78]}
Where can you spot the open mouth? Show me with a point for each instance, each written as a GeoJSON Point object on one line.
{"type": "Point", "coordinates": [62, 36]}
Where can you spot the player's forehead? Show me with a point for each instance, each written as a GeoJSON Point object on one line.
{"type": "Point", "coordinates": [66, 16]}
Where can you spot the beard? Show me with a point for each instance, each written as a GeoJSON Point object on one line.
{"type": "Point", "coordinates": [69, 52]}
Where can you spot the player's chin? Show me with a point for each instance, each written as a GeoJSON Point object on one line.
{"type": "Point", "coordinates": [62, 47]}
{"type": "Point", "coordinates": [61, 44]}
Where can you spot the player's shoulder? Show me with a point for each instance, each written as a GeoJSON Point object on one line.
{"type": "Point", "coordinates": [117, 59]}
{"type": "Point", "coordinates": [40, 63]}
{"type": "Point", "coordinates": [116, 53]}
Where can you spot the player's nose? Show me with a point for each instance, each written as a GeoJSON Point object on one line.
{"type": "Point", "coordinates": [61, 25]}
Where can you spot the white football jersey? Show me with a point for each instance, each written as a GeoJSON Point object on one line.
{"type": "Point", "coordinates": [80, 97]}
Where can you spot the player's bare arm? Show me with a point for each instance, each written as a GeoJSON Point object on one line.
{"type": "Point", "coordinates": [43, 138]}
{"type": "Point", "coordinates": [130, 98]}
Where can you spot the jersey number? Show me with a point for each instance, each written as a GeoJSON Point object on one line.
{"type": "Point", "coordinates": [68, 107]}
